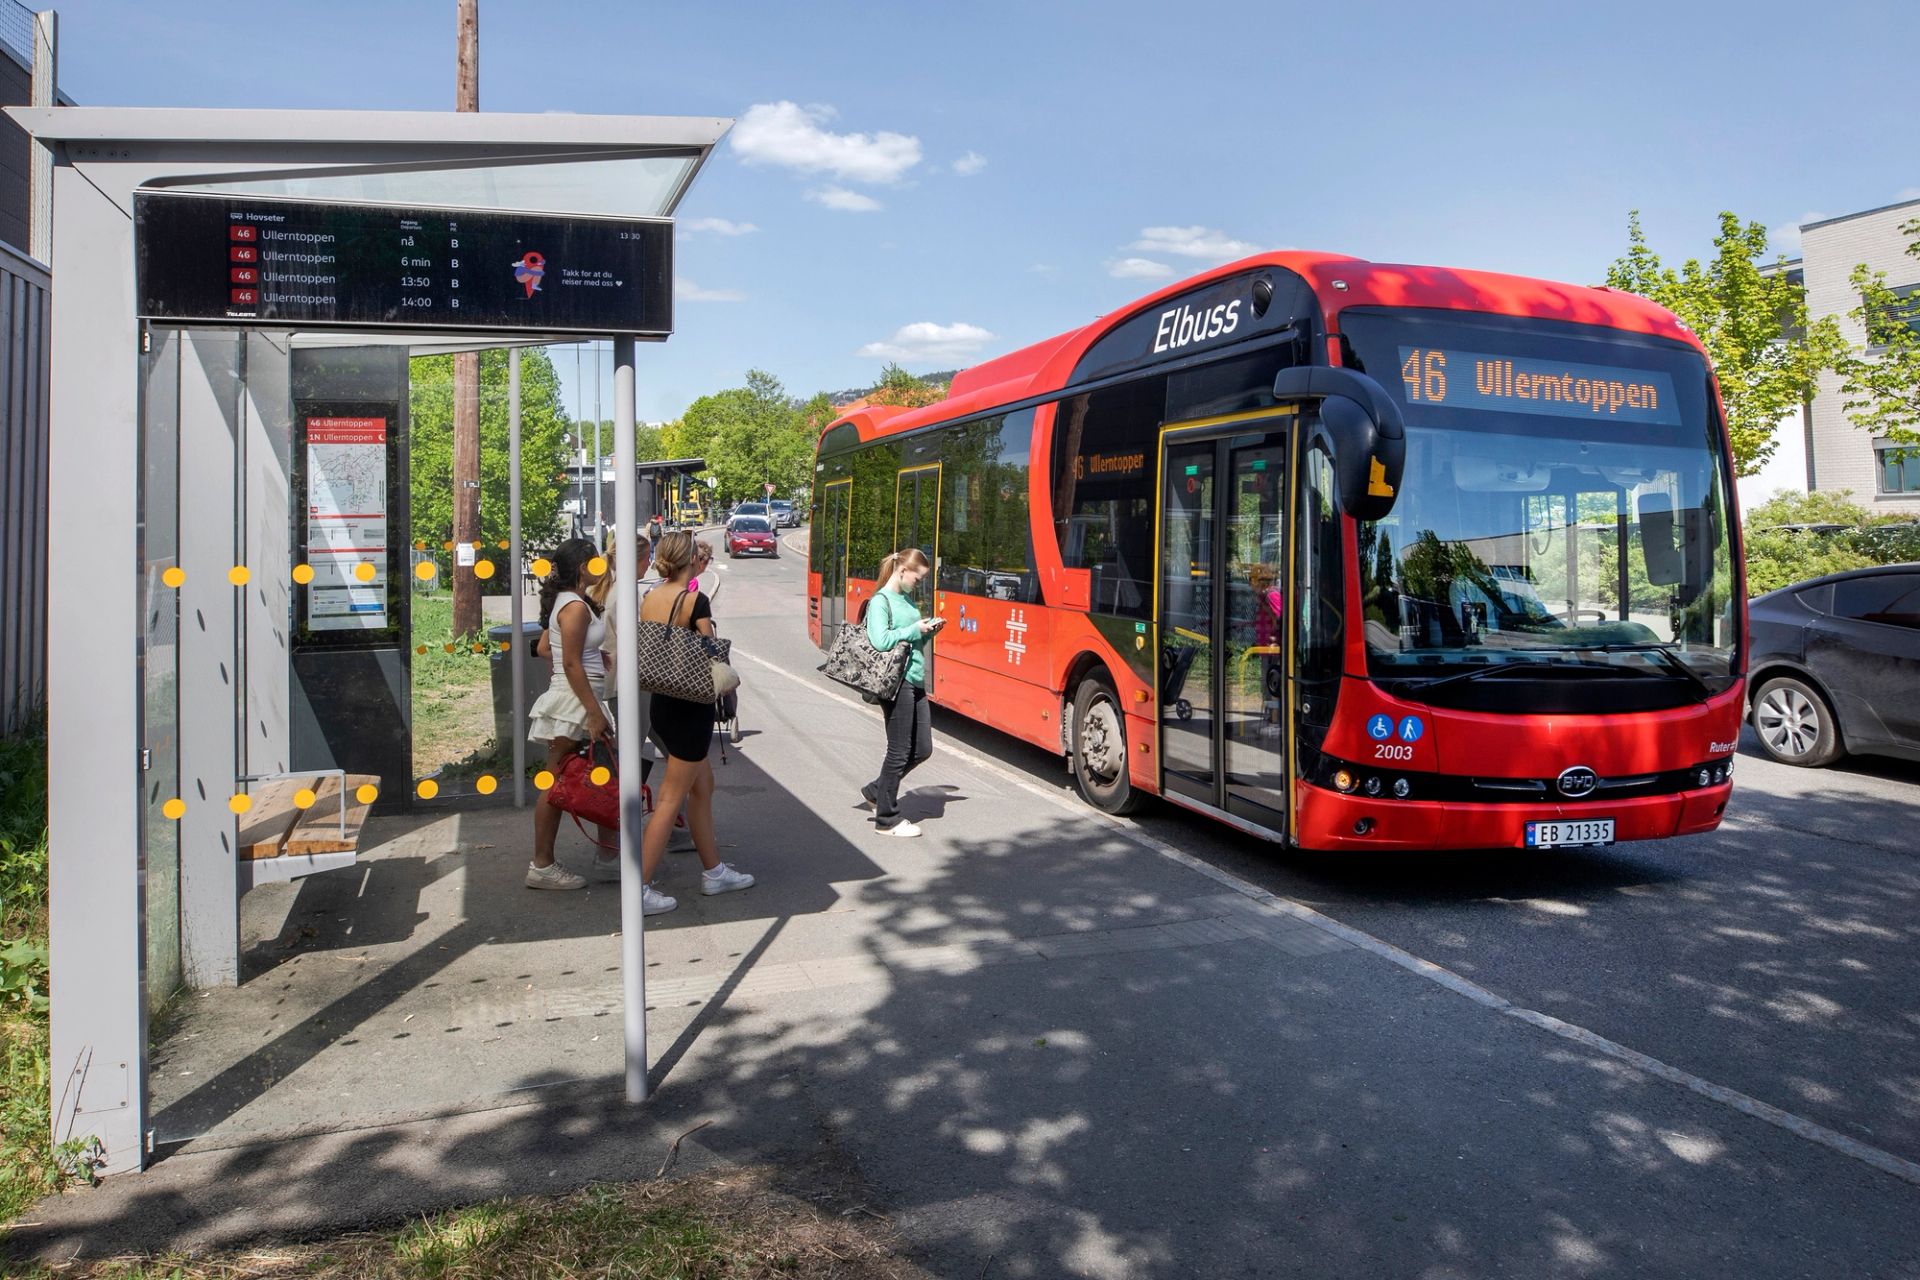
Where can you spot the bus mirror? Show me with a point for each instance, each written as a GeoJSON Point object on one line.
{"type": "Point", "coordinates": [1656, 539]}
{"type": "Point", "coordinates": [1361, 429]}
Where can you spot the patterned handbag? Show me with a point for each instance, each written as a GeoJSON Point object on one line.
{"type": "Point", "coordinates": [678, 661]}
{"type": "Point", "coordinates": [854, 662]}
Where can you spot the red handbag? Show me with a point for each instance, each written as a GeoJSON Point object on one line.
{"type": "Point", "coordinates": [575, 793]}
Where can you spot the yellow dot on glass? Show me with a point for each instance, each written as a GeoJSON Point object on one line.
{"type": "Point", "coordinates": [304, 798]}
{"type": "Point", "coordinates": [425, 570]}
{"type": "Point", "coordinates": [541, 567]}
{"type": "Point", "coordinates": [483, 569]}
{"type": "Point", "coordinates": [505, 645]}
{"type": "Point", "coordinates": [241, 802]}
{"type": "Point", "coordinates": [175, 808]}
{"type": "Point", "coordinates": [600, 775]}
{"type": "Point", "coordinates": [238, 575]}
{"type": "Point", "coordinates": [479, 648]}
{"type": "Point", "coordinates": [366, 793]}
{"type": "Point", "coordinates": [543, 779]}
{"type": "Point", "coordinates": [363, 571]}
{"type": "Point", "coordinates": [174, 577]}
{"type": "Point", "coordinates": [476, 544]}
{"type": "Point", "coordinates": [504, 544]}
{"type": "Point", "coordinates": [597, 566]}
{"type": "Point", "coordinates": [303, 574]}
{"type": "Point", "coordinates": [486, 784]}
{"type": "Point", "coordinates": [428, 788]}
{"type": "Point", "coordinates": [449, 646]}
{"type": "Point", "coordinates": [421, 649]}
{"type": "Point", "coordinates": [446, 546]}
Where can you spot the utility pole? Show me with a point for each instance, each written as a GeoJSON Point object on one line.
{"type": "Point", "coordinates": [466, 373]}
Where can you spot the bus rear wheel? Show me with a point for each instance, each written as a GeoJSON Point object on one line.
{"type": "Point", "coordinates": [1100, 750]}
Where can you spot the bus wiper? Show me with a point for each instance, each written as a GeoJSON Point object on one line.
{"type": "Point", "coordinates": [1401, 688]}
{"type": "Point", "coordinates": [1668, 659]}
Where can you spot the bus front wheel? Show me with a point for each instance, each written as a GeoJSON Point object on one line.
{"type": "Point", "coordinates": [1100, 750]}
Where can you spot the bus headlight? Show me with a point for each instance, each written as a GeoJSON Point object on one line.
{"type": "Point", "coordinates": [1373, 787]}
{"type": "Point", "coordinates": [1343, 780]}
{"type": "Point", "coordinates": [1402, 788]}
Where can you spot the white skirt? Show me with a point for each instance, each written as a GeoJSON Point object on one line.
{"type": "Point", "coordinates": [557, 713]}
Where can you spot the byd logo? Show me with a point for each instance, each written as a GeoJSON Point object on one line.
{"type": "Point", "coordinates": [1578, 781]}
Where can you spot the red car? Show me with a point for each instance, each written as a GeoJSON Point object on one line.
{"type": "Point", "coordinates": [752, 535]}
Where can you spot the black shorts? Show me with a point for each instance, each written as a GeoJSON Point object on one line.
{"type": "Point", "coordinates": [684, 729]}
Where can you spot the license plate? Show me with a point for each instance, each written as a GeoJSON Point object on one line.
{"type": "Point", "coordinates": [1567, 835]}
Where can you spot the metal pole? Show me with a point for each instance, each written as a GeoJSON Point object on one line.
{"type": "Point", "coordinates": [466, 369]}
{"type": "Point", "coordinates": [633, 943]}
{"type": "Point", "coordinates": [518, 588]}
{"type": "Point", "coordinates": [599, 524]}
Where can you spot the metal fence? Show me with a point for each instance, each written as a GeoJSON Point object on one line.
{"type": "Point", "coordinates": [23, 487]}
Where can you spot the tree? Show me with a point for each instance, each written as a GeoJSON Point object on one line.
{"type": "Point", "coordinates": [543, 455]}
{"type": "Point", "coordinates": [898, 387]}
{"type": "Point", "coordinates": [749, 436]}
{"type": "Point", "coordinates": [1881, 381]}
{"type": "Point", "coordinates": [1753, 324]}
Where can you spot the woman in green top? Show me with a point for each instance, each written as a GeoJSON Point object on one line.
{"type": "Point", "coordinates": [892, 618]}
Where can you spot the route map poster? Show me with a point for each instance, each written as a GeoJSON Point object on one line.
{"type": "Point", "coordinates": [347, 523]}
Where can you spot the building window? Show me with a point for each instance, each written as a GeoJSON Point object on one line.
{"type": "Point", "coordinates": [1904, 310]}
{"type": "Point", "coordinates": [1899, 467]}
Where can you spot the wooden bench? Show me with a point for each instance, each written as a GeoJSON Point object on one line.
{"type": "Point", "coordinates": [278, 840]}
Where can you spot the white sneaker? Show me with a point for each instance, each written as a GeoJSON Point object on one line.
{"type": "Point", "coordinates": [606, 867]}
{"type": "Point", "coordinates": [553, 876]}
{"type": "Point", "coordinates": [724, 879]}
{"type": "Point", "coordinates": [905, 830]}
{"type": "Point", "coordinates": [655, 903]}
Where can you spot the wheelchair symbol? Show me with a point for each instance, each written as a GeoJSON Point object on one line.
{"type": "Point", "coordinates": [1380, 728]}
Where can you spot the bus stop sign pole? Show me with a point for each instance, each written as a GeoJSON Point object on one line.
{"type": "Point", "coordinates": [626, 586]}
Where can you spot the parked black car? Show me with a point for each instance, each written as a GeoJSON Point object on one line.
{"type": "Point", "coordinates": [1836, 667]}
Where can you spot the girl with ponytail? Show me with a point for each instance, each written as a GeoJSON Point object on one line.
{"type": "Point", "coordinates": [893, 618]}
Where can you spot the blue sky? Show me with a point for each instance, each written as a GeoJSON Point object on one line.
{"type": "Point", "coordinates": [942, 183]}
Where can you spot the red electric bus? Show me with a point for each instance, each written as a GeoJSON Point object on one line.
{"type": "Point", "coordinates": [1344, 554]}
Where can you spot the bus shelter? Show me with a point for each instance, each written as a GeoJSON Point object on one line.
{"type": "Point", "coordinates": [249, 564]}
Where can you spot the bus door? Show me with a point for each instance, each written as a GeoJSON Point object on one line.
{"type": "Point", "coordinates": [916, 523]}
{"type": "Point", "coordinates": [835, 532]}
{"type": "Point", "coordinates": [1219, 611]}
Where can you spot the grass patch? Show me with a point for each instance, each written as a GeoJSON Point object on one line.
{"type": "Point", "coordinates": [29, 1166]}
{"type": "Point", "coordinates": [732, 1225]}
{"type": "Point", "coordinates": [452, 693]}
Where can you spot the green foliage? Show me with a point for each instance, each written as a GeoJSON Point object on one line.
{"type": "Point", "coordinates": [29, 1167]}
{"type": "Point", "coordinates": [749, 435]}
{"type": "Point", "coordinates": [898, 387]}
{"type": "Point", "coordinates": [543, 453]}
{"type": "Point", "coordinates": [1881, 382]}
{"type": "Point", "coordinates": [1753, 324]}
{"type": "Point", "coordinates": [1778, 557]}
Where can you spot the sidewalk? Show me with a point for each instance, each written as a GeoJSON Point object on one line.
{"type": "Point", "coordinates": [1037, 1045]}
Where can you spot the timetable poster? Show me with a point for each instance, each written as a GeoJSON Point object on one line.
{"type": "Point", "coordinates": [347, 523]}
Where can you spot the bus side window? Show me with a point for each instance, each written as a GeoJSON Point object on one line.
{"type": "Point", "coordinates": [1105, 454]}
{"type": "Point", "coordinates": [1318, 594]}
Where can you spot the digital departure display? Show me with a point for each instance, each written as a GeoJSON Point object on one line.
{"type": "Point", "coordinates": [311, 264]}
{"type": "Point", "coordinates": [1508, 384]}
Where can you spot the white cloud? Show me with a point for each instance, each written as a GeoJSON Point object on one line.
{"type": "Point", "coordinates": [969, 164]}
{"type": "Point", "coordinates": [927, 341]}
{"type": "Point", "coordinates": [685, 290]}
{"type": "Point", "coordinates": [793, 137]}
{"type": "Point", "coordinates": [1192, 242]}
{"type": "Point", "coordinates": [1138, 269]}
{"type": "Point", "coordinates": [844, 200]}
{"type": "Point", "coordinates": [1784, 240]}
{"type": "Point", "coordinates": [719, 226]}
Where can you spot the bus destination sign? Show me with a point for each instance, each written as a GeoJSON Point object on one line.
{"type": "Point", "coordinates": [1561, 388]}
{"type": "Point", "coordinates": [236, 260]}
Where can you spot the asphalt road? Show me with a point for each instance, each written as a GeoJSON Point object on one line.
{"type": "Point", "coordinates": [1776, 956]}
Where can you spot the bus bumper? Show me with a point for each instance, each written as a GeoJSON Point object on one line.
{"type": "Point", "coordinates": [1332, 821]}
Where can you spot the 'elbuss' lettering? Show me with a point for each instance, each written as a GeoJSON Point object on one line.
{"type": "Point", "coordinates": [1182, 326]}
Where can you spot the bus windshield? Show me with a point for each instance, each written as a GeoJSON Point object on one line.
{"type": "Point", "coordinates": [1564, 505]}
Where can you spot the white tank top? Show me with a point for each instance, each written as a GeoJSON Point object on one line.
{"type": "Point", "coordinates": [592, 660]}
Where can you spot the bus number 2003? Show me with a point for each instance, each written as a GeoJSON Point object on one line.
{"type": "Point", "coordinates": [1392, 751]}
